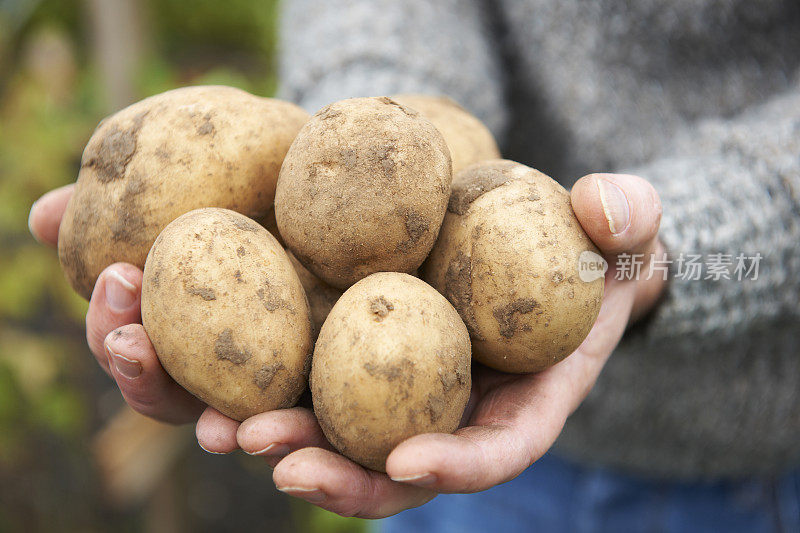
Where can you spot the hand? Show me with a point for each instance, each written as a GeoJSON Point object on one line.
{"type": "Point", "coordinates": [511, 420]}
{"type": "Point", "coordinates": [114, 331]}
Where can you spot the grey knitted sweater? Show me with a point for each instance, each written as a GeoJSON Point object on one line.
{"type": "Point", "coordinates": [702, 98]}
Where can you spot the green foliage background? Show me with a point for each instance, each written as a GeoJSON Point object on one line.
{"type": "Point", "coordinates": [53, 396]}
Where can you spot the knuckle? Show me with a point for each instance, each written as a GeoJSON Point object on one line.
{"type": "Point", "coordinates": [357, 501]}
{"type": "Point", "coordinates": [364, 493]}
{"type": "Point", "coordinates": [347, 509]}
{"type": "Point", "coordinates": [143, 402]}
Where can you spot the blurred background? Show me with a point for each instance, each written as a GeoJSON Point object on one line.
{"type": "Point", "coordinates": [72, 456]}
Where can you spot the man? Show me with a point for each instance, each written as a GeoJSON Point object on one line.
{"type": "Point", "coordinates": [694, 422]}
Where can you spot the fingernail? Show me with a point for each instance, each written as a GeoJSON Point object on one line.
{"type": "Point", "coordinates": [209, 451]}
{"type": "Point", "coordinates": [309, 495]}
{"type": "Point", "coordinates": [274, 449]}
{"type": "Point", "coordinates": [30, 218]}
{"type": "Point", "coordinates": [129, 368]}
{"type": "Point", "coordinates": [121, 294]}
{"type": "Point", "coordinates": [420, 480]}
{"type": "Point", "coordinates": [615, 206]}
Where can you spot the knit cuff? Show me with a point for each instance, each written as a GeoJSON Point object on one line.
{"type": "Point", "coordinates": [731, 233]}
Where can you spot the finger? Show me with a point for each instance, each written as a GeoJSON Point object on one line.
{"type": "Point", "coordinates": [337, 484]}
{"type": "Point", "coordinates": [275, 434]}
{"type": "Point", "coordinates": [46, 213]}
{"type": "Point", "coordinates": [115, 302]}
{"type": "Point", "coordinates": [619, 212]}
{"type": "Point", "coordinates": [516, 423]}
{"type": "Point", "coordinates": [144, 383]}
{"type": "Point", "coordinates": [216, 433]}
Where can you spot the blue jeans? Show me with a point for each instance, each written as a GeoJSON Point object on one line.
{"type": "Point", "coordinates": [556, 496]}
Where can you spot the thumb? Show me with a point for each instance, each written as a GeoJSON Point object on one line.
{"type": "Point", "coordinates": [619, 212]}
{"type": "Point", "coordinates": [622, 213]}
{"type": "Point", "coordinates": [115, 302]}
{"type": "Point", "coordinates": [47, 212]}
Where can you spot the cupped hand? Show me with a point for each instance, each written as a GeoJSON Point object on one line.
{"type": "Point", "coordinates": [114, 331]}
{"type": "Point", "coordinates": [511, 420]}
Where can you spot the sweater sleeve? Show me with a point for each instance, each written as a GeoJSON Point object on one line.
{"type": "Point", "coordinates": [336, 49]}
{"type": "Point", "coordinates": [730, 187]}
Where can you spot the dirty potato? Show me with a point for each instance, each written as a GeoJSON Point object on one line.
{"type": "Point", "coordinates": [467, 138]}
{"type": "Point", "coordinates": [226, 313]}
{"type": "Point", "coordinates": [392, 361]}
{"type": "Point", "coordinates": [363, 189]}
{"type": "Point", "coordinates": [166, 155]}
{"type": "Point", "coordinates": [507, 258]}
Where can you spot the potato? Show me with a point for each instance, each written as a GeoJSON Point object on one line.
{"type": "Point", "coordinates": [321, 296]}
{"type": "Point", "coordinates": [226, 313]}
{"type": "Point", "coordinates": [392, 361]}
{"type": "Point", "coordinates": [166, 155]}
{"type": "Point", "coordinates": [363, 189]}
{"type": "Point", "coordinates": [467, 138]}
{"type": "Point", "coordinates": [507, 259]}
